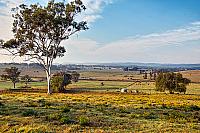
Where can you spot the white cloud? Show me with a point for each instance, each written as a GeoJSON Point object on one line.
{"type": "Point", "coordinates": [93, 12]}
{"type": "Point", "coordinates": [94, 9]}
{"type": "Point", "coordinates": [145, 48]}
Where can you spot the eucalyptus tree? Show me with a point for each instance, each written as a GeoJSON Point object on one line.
{"type": "Point", "coordinates": [12, 74]}
{"type": "Point", "coordinates": [173, 82]}
{"type": "Point", "coordinates": [39, 30]}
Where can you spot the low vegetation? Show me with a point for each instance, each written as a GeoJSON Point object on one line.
{"type": "Point", "coordinates": [99, 112]}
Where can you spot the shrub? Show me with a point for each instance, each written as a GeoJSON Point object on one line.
{"type": "Point", "coordinates": [54, 116]}
{"type": "Point", "coordinates": [65, 120]}
{"type": "Point", "coordinates": [83, 121]}
{"type": "Point", "coordinates": [123, 110]}
{"type": "Point", "coordinates": [65, 109]}
{"type": "Point", "coordinates": [1, 104]}
{"type": "Point", "coordinates": [29, 112]}
{"type": "Point", "coordinates": [150, 115]}
{"type": "Point", "coordinates": [59, 81]}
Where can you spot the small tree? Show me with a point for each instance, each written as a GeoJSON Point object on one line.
{"type": "Point", "coordinates": [39, 31]}
{"type": "Point", "coordinates": [12, 74]}
{"type": "Point", "coordinates": [26, 79]}
{"type": "Point", "coordinates": [75, 76]}
{"type": "Point", "coordinates": [173, 82]}
{"type": "Point", "coordinates": [154, 76]}
{"type": "Point", "coordinates": [150, 75]}
{"type": "Point", "coordinates": [145, 75]}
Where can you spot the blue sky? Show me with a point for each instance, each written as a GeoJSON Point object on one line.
{"type": "Point", "coordinates": [162, 31]}
{"type": "Point", "coordinates": [126, 18]}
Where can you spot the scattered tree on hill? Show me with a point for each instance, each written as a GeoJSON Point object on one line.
{"type": "Point", "coordinates": [145, 75]}
{"type": "Point", "coordinates": [173, 82]}
{"type": "Point", "coordinates": [154, 76]}
{"type": "Point", "coordinates": [39, 31]}
{"type": "Point", "coordinates": [75, 76]}
{"type": "Point", "coordinates": [125, 68]}
{"type": "Point", "coordinates": [150, 75]}
{"type": "Point", "coordinates": [59, 81]}
{"type": "Point", "coordinates": [26, 79]}
{"type": "Point", "coordinates": [12, 74]}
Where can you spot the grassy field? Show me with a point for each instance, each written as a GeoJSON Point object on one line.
{"type": "Point", "coordinates": [193, 75]}
{"type": "Point", "coordinates": [111, 75]}
{"type": "Point", "coordinates": [109, 86]}
{"type": "Point", "coordinates": [99, 112]}
{"type": "Point", "coordinates": [97, 108]}
{"type": "Point", "coordinates": [9, 85]}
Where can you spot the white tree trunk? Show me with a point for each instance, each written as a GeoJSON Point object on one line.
{"type": "Point", "coordinates": [49, 81]}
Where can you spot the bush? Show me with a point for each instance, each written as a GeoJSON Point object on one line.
{"type": "Point", "coordinates": [65, 109]}
{"type": "Point", "coordinates": [54, 116]}
{"type": "Point", "coordinates": [83, 121]}
{"type": "Point", "coordinates": [29, 112]}
{"type": "Point", "coordinates": [59, 81]}
{"type": "Point", "coordinates": [1, 104]}
{"type": "Point", "coordinates": [65, 120]}
{"type": "Point", "coordinates": [151, 115]}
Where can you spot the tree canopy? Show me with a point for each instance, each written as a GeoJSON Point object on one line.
{"type": "Point", "coordinates": [12, 74]}
{"type": "Point", "coordinates": [173, 82]}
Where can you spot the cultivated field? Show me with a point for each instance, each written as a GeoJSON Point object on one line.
{"type": "Point", "coordinates": [194, 75]}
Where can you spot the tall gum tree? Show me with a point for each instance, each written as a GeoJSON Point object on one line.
{"type": "Point", "coordinates": [38, 31]}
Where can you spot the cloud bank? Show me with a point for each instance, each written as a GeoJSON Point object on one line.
{"type": "Point", "coordinates": [172, 46]}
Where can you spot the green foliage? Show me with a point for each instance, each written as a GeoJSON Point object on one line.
{"type": "Point", "coordinates": [29, 112]}
{"type": "Point", "coordinates": [173, 82]}
{"type": "Point", "coordinates": [65, 109]}
{"type": "Point", "coordinates": [1, 104]}
{"type": "Point", "coordinates": [59, 81]}
{"type": "Point", "coordinates": [83, 121]}
{"type": "Point", "coordinates": [12, 74]}
{"type": "Point", "coordinates": [56, 83]}
{"type": "Point", "coordinates": [65, 120]}
{"type": "Point", "coordinates": [54, 116]}
{"type": "Point", "coordinates": [35, 26]}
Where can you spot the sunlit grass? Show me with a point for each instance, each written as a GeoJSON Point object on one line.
{"type": "Point", "coordinates": [108, 112]}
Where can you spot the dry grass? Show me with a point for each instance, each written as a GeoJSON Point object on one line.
{"type": "Point", "coordinates": [103, 112]}
{"type": "Point", "coordinates": [194, 75]}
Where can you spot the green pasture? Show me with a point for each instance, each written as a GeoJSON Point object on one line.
{"type": "Point", "coordinates": [113, 86]}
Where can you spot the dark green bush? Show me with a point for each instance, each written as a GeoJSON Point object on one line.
{"type": "Point", "coordinates": [1, 104]}
{"type": "Point", "coordinates": [65, 120]}
{"type": "Point", "coordinates": [123, 110]}
{"type": "Point", "coordinates": [29, 112]}
{"type": "Point", "coordinates": [59, 81]}
{"type": "Point", "coordinates": [65, 109]}
{"type": "Point", "coordinates": [151, 115]}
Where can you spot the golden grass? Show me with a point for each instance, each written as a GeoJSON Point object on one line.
{"type": "Point", "coordinates": [107, 112]}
